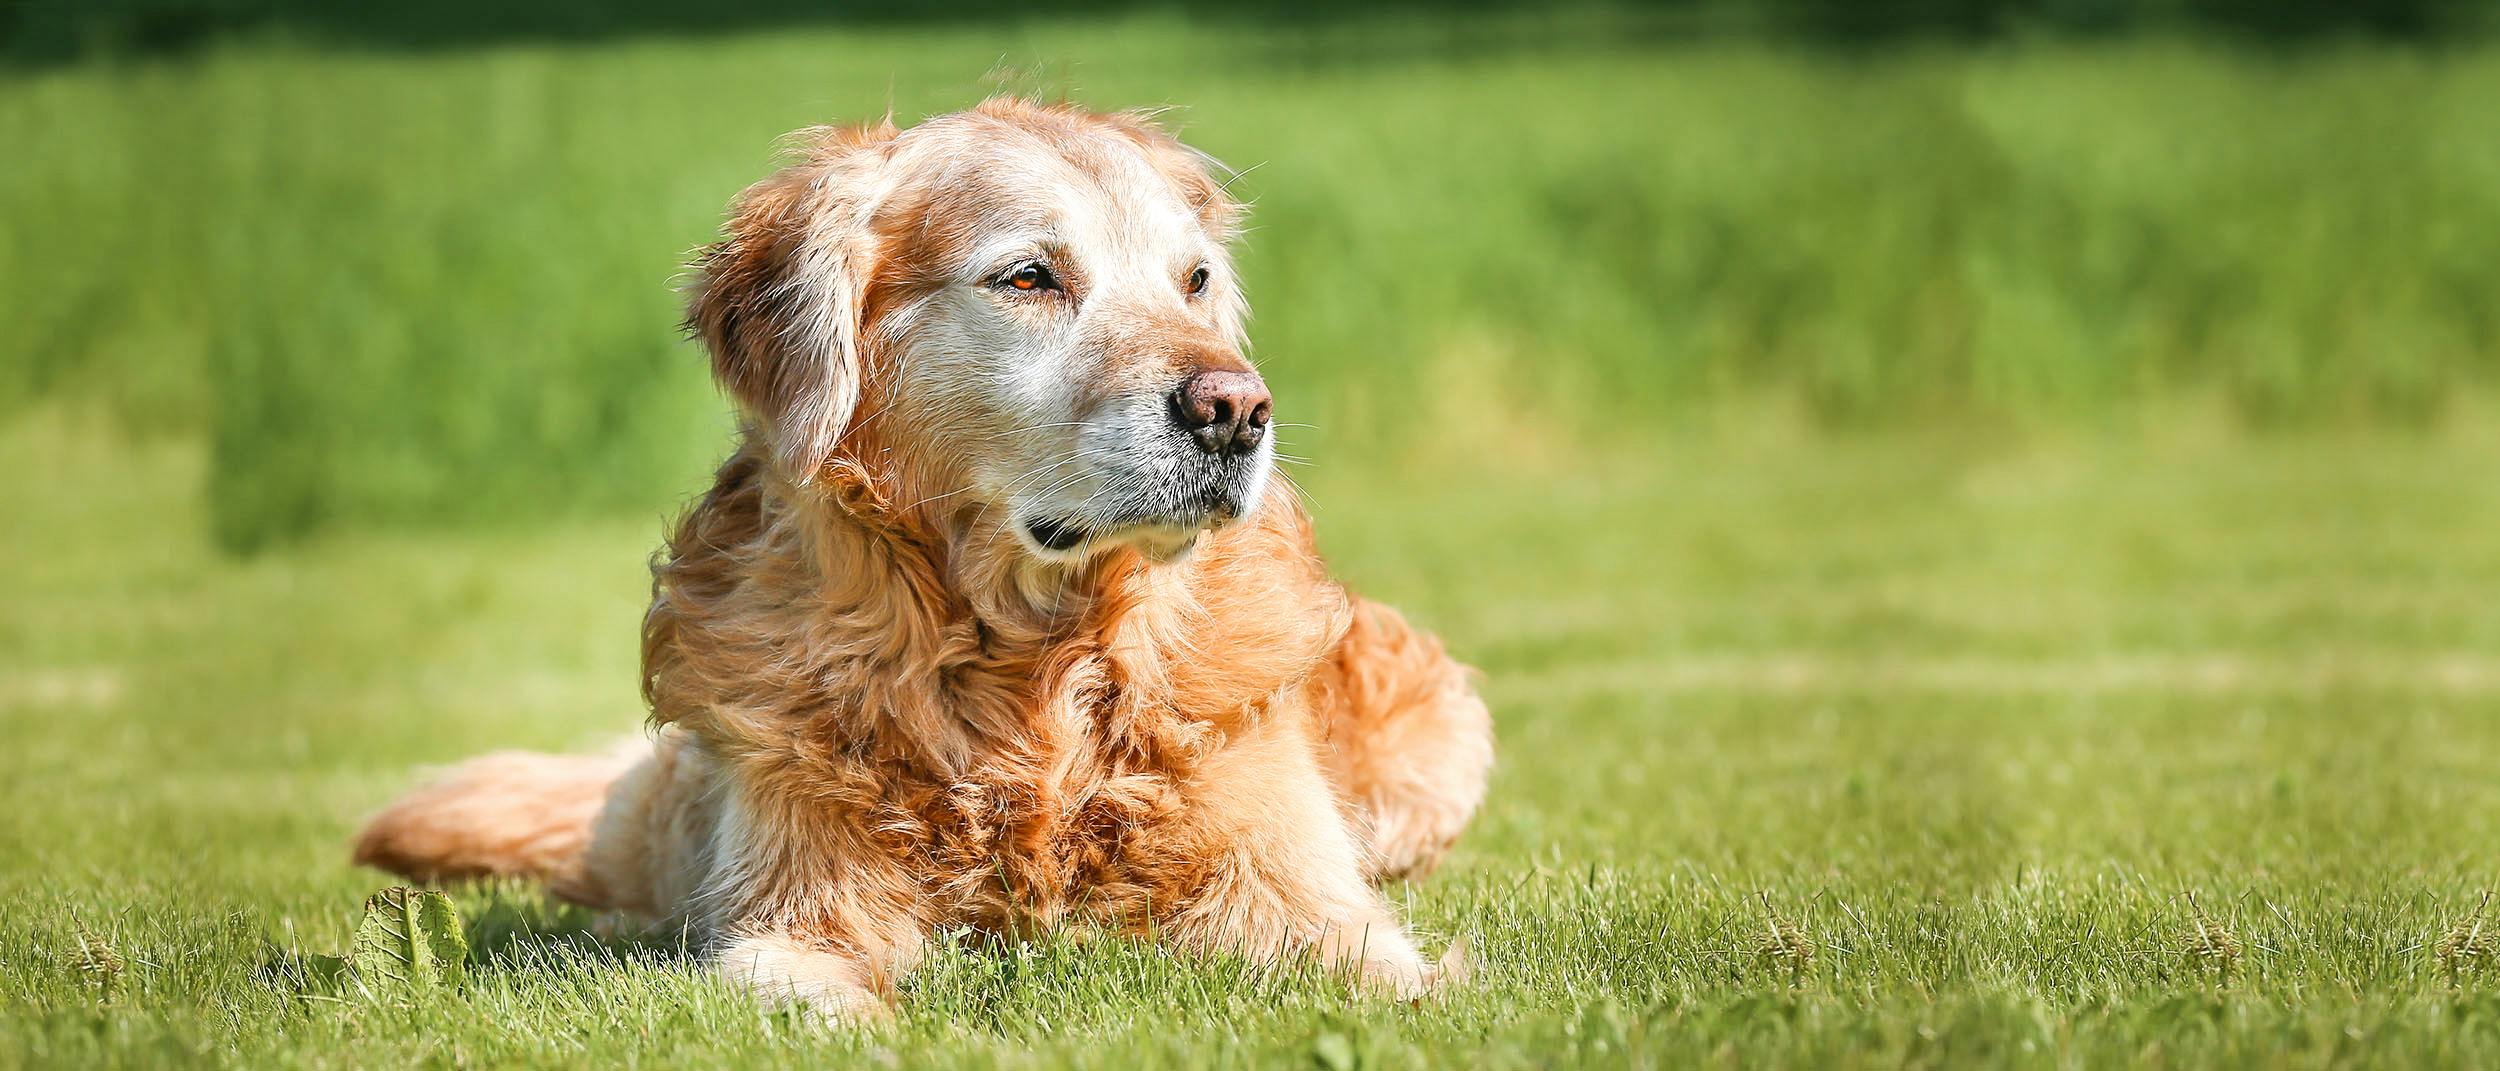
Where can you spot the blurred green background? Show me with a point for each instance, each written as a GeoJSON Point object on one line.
{"type": "Point", "coordinates": [2006, 486]}
{"type": "Point", "coordinates": [413, 264]}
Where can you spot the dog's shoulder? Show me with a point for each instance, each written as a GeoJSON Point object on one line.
{"type": "Point", "coordinates": [707, 554]}
{"type": "Point", "coordinates": [728, 517]}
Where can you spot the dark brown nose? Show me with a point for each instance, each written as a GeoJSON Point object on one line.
{"type": "Point", "coordinates": [1225, 413]}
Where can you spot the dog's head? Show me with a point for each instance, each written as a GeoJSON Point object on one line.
{"type": "Point", "coordinates": [1021, 316]}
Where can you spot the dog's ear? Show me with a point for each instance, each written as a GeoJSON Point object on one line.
{"type": "Point", "coordinates": [778, 299]}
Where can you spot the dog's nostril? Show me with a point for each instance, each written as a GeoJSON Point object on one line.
{"type": "Point", "coordinates": [1223, 411]}
{"type": "Point", "coordinates": [1194, 412]}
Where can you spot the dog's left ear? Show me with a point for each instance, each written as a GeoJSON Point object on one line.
{"type": "Point", "coordinates": [778, 299]}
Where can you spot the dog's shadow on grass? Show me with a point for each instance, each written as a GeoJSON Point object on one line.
{"type": "Point", "coordinates": [511, 930]}
{"type": "Point", "coordinates": [518, 929]}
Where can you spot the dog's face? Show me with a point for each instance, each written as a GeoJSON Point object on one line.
{"type": "Point", "coordinates": [1025, 316]}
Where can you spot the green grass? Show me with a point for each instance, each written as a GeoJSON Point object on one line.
{"type": "Point", "coordinates": [1978, 711]}
{"type": "Point", "coordinates": [1973, 496]}
{"type": "Point", "coordinates": [427, 285]}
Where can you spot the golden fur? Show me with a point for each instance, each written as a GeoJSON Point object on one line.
{"type": "Point", "coordinates": [880, 714]}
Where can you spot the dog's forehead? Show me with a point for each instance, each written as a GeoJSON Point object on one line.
{"type": "Point", "coordinates": [1086, 189]}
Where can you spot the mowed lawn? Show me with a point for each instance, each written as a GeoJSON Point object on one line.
{"type": "Point", "coordinates": [1998, 722]}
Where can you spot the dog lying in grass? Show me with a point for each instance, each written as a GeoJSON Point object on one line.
{"type": "Point", "coordinates": [995, 617]}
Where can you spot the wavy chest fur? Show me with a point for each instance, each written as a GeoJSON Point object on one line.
{"type": "Point", "coordinates": [1074, 820]}
{"type": "Point", "coordinates": [1020, 768]}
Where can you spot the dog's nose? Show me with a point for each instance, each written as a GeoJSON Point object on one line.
{"type": "Point", "coordinates": [1225, 413]}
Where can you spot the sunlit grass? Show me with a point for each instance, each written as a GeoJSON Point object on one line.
{"type": "Point", "coordinates": [1978, 714]}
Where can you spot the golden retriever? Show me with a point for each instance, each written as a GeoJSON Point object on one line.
{"type": "Point", "coordinates": [995, 618]}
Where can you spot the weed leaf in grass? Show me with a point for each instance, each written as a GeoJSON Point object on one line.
{"type": "Point", "coordinates": [2471, 944]}
{"type": "Point", "coordinates": [408, 940]}
{"type": "Point", "coordinates": [97, 961]}
{"type": "Point", "coordinates": [1786, 944]}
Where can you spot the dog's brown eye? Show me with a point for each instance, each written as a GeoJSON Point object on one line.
{"type": "Point", "coordinates": [1198, 281]}
{"type": "Point", "coordinates": [1032, 276]}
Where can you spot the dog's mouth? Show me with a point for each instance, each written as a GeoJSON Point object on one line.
{"type": "Point", "coordinates": [1059, 535]}
{"type": "Point", "coordinates": [1161, 536]}
{"type": "Point", "coordinates": [1155, 503]}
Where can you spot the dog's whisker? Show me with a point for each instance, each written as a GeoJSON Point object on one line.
{"type": "Point", "coordinates": [1063, 482]}
{"type": "Point", "coordinates": [1298, 493]}
{"type": "Point", "coordinates": [1012, 486]}
{"type": "Point", "coordinates": [1071, 458]}
{"type": "Point", "coordinates": [934, 498]}
{"type": "Point", "coordinates": [1020, 482]}
{"type": "Point", "coordinates": [872, 415]}
{"type": "Point", "coordinates": [1038, 427]}
{"type": "Point", "coordinates": [1227, 187]}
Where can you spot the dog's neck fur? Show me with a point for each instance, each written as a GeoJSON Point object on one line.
{"type": "Point", "coordinates": [921, 642]}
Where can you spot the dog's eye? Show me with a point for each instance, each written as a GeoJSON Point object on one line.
{"type": "Point", "coordinates": [1197, 281]}
{"type": "Point", "coordinates": [1032, 275]}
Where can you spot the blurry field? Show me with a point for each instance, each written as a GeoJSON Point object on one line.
{"type": "Point", "coordinates": [1971, 499]}
{"type": "Point", "coordinates": [410, 286]}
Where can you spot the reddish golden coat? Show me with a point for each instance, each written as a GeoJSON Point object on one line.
{"type": "Point", "coordinates": [878, 716]}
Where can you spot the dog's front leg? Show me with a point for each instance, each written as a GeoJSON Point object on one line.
{"type": "Point", "coordinates": [825, 975]}
{"type": "Point", "coordinates": [1287, 876]}
{"type": "Point", "coordinates": [1409, 741]}
{"type": "Point", "coordinates": [808, 914]}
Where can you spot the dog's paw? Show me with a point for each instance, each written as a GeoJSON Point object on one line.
{"type": "Point", "coordinates": [1410, 979]}
{"type": "Point", "coordinates": [1458, 964]}
{"type": "Point", "coordinates": [1398, 979]}
{"type": "Point", "coordinates": [822, 989]}
{"type": "Point", "coordinates": [853, 1011]}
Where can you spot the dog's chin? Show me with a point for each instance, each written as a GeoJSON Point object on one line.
{"type": "Point", "coordinates": [1067, 540]}
{"type": "Point", "coordinates": [1162, 523]}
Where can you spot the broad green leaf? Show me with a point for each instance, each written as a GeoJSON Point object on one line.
{"type": "Point", "coordinates": [408, 940]}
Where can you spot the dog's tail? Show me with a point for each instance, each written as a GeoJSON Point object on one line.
{"type": "Point", "coordinates": [508, 814]}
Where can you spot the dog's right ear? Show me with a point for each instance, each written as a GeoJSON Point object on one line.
{"type": "Point", "coordinates": [778, 299]}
